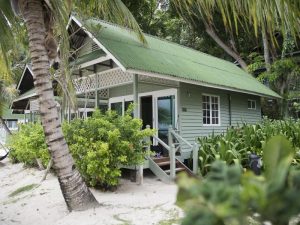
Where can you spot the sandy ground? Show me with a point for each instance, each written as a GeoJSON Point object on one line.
{"type": "Point", "coordinates": [152, 203]}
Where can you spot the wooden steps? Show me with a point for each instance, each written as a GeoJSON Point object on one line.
{"type": "Point", "coordinates": [164, 164]}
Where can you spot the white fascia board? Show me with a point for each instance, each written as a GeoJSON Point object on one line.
{"type": "Point", "coordinates": [29, 96]}
{"type": "Point", "coordinates": [20, 81]}
{"type": "Point", "coordinates": [199, 83]}
{"type": "Point", "coordinates": [98, 43]}
{"type": "Point", "coordinates": [95, 61]}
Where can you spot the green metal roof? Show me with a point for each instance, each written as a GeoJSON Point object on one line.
{"type": "Point", "coordinates": [27, 94]}
{"type": "Point", "coordinates": [7, 114]}
{"type": "Point", "coordinates": [167, 58]}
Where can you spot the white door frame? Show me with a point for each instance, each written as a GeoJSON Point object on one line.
{"type": "Point", "coordinates": [155, 95]}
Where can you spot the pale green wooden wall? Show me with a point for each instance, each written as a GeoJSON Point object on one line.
{"type": "Point", "coordinates": [190, 110]}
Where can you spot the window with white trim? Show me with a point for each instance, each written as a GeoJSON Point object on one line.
{"type": "Point", "coordinates": [12, 124]}
{"type": "Point", "coordinates": [120, 106]}
{"type": "Point", "coordinates": [211, 109]}
{"type": "Point", "coordinates": [251, 104]}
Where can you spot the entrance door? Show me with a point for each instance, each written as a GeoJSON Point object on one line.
{"type": "Point", "coordinates": [146, 113]}
{"type": "Point", "coordinates": [165, 115]}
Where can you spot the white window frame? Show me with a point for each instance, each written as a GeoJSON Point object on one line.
{"type": "Point", "coordinates": [121, 99]}
{"type": "Point", "coordinates": [210, 108]}
{"type": "Point", "coordinates": [252, 101]}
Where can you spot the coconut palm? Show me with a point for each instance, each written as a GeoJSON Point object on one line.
{"type": "Point", "coordinates": [266, 16]}
{"type": "Point", "coordinates": [43, 19]}
{"type": "Point", "coordinates": [7, 94]}
{"type": "Point", "coordinates": [7, 91]}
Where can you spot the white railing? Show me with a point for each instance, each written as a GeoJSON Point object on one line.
{"type": "Point", "coordinates": [109, 78]}
{"type": "Point", "coordinates": [172, 149]}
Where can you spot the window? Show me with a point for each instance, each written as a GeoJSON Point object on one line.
{"type": "Point", "coordinates": [211, 109]}
{"type": "Point", "coordinates": [251, 104]}
{"type": "Point", "coordinates": [12, 124]}
{"type": "Point", "coordinates": [121, 106]}
{"type": "Point", "coordinates": [118, 107]}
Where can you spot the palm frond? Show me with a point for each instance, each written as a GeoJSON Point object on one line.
{"type": "Point", "coordinates": [6, 21]}
{"type": "Point", "coordinates": [263, 15]}
{"type": "Point", "coordinates": [110, 10]}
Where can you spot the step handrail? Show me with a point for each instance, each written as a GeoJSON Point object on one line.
{"type": "Point", "coordinates": [161, 142]}
{"type": "Point", "coordinates": [194, 148]}
{"type": "Point", "coordinates": [179, 138]}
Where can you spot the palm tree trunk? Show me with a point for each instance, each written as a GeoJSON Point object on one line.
{"type": "Point", "coordinates": [211, 32]}
{"type": "Point", "coordinates": [266, 50]}
{"type": "Point", "coordinates": [5, 126]}
{"type": "Point", "coordinates": [75, 192]}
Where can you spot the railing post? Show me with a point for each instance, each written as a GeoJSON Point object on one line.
{"type": "Point", "coordinates": [148, 141]}
{"type": "Point", "coordinates": [172, 162]}
{"type": "Point", "coordinates": [195, 158]}
{"type": "Point", "coordinates": [170, 140]}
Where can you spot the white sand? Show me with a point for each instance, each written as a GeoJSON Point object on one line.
{"type": "Point", "coordinates": [151, 203]}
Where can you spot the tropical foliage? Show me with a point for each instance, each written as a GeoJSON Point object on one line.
{"type": "Point", "coordinates": [235, 146]}
{"type": "Point", "coordinates": [99, 146]}
{"type": "Point", "coordinates": [28, 145]}
{"type": "Point", "coordinates": [228, 196]}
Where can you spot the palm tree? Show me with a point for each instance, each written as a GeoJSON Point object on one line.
{"type": "Point", "coordinates": [266, 16]}
{"type": "Point", "coordinates": [7, 94]}
{"type": "Point", "coordinates": [7, 91]}
{"type": "Point", "coordinates": [40, 18]}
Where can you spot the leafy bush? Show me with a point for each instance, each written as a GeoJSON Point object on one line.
{"type": "Point", "coordinates": [236, 144]}
{"type": "Point", "coordinates": [229, 196]}
{"type": "Point", "coordinates": [99, 145]}
{"type": "Point", "coordinates": [28, 144]}
{"type": "Point", "coordinates": [104, 142]}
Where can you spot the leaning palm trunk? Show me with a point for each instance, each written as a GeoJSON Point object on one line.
{"type": "Point", "coordinates": [75, 192]}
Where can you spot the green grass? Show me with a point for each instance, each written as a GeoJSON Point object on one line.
{"type": "Point", "coordinates": [173, 218]}
{"type": "Point", "coordinates": [22, 189]}
{"type": "Point", "coordinates": [123, 221]}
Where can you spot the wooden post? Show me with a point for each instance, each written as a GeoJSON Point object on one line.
{"type": "Point", "coordinates": [195, 158]}
{"type": "Point", "coordinates": [170, 140]}
{"type": "Point", "coordinates": [136, 95]}
{"type": "Point", "coordinates": [148, 140]}
{"type": "Point", "coordinates": [139, 171]}
{"type": "Point", "coordinates": [31, 121]}
{"type": "Point", "coordinates": [96, 99]}
{"type": "Point", "coordinates": [172, 162]}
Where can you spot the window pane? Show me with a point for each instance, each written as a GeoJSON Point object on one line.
{"type": "Point", "coordinates": [117, 106]}
{"type": "Point", "coordinates": [249, 104]}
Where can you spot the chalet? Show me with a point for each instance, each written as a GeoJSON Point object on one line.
{"type": "Point", "coordinates": [180, 92]}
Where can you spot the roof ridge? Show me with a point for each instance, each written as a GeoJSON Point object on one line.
{"type": "Point", "coordinates": [161, 39]}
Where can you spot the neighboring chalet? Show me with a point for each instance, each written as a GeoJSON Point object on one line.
{"type": "Point", "coordinates": [180, 92]}
{"type": "Point", "coordinates": [11, 121]}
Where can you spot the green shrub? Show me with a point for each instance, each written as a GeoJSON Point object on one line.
{"type": "Point", "coordinates": [237, 143]}
{"type": "Point", "coordinates": [99, 145]}
{"type": "Point", "coordinates": [28, 144]}
{"type": "Point", "coordinates": [104, 142]}
{"type": "Point", "coordinates": [229, 196]}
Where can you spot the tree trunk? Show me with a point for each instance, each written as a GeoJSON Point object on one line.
{"type": "Point", "coordinates": [75, 192]}
{"type": "Point", "coordinates": [284, 107]}
{"type": "Point", "coordinates": [266, 50]}
{"type": "Point", "coordinates": [211, 32]}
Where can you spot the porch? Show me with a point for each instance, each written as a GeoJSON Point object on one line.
{"type": "Point", "coordinates": [155, 102]}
